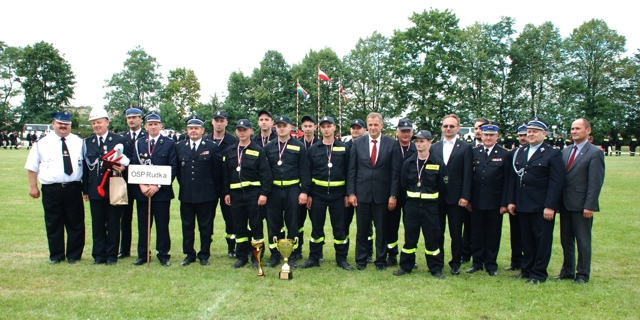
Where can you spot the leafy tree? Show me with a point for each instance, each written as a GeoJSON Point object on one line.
{"type": "Point", "coordinates": [47, 82]}
{"type": "Point", "coordinates": [9, 86]}
{"type": "Point", "coordinates": [273, 88]}
{"type": "Point", "coordinates": [178, 97]}
{"type": "Point", "coordinates": [206, 110]}
{"type": "Point", "coordinates": [240, 98]}
{"type": "Point", "coordinates": [138, 84]}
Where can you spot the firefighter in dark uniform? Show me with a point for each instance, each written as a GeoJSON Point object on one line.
{"type": "Point", "coordinates": [488, 200]}
{"type": "Point", "coordinates": [514, 220]}
{"type": "Point", "coordinates": [329, 163]}
{"type": "Point", "coordinates": [568, 141]}
{"type": "Point", "coordinates": [423, 179]}
{"type": "Point", "coordinates": [560, 142]}
{"type": "Point", "coordinates": [633, 144]}
{"type": "Point", "coordinates": [468, 139]}
{"type": "Point", "coordinates": [606, 145]}
{"type": "Point", "coordinates": [135, 132]}
{"type": "Point", "coordinates": [291, 185]}
{"type": "Point", "coordinates": [309, 139]}
{"type": "Point", "coordinates": [619, 143]}
{"type": "Point", "coordinates": [199, 172]}
{"type": "Point", "coordinates": [105, 218]}
{"type": "Point", "coordinates": [156, 150]}
{"type": "Point", "coordinates": [224, 141]}
{"type": "Point", "coordinates": [534, 193]}
{"type": "Point", "coordinates": [501, 140]}
{"type": "Point", "coordinates": [509, 141]}
{"type": "Point", "coordinates": [247, 181]}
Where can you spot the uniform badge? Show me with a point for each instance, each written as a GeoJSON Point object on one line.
{"type": "Point", "coordinates": [93, 140]}
{"type": "Point", "coordinates": [183, 163]}
{"type": "Point", "coordinates": [110, 138]}
{"type": "Point", "coordinates": [445, 179]}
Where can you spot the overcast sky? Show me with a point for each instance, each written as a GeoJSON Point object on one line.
{"type": "Point", "coordinates": [215, 38]}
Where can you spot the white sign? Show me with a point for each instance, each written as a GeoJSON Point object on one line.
{"type": "Point", "coordinates": [139, 174]}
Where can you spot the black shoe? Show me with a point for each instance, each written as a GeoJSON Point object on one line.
{"type": "Point", "coordinates": [493, 273]}
{"type": "Point", "coordinates": [401, 272]}
{"type": "Point", "coordinates": [533, 282]}
{"type": "Point", "coordinates": [187, 261]}
{"type": "Point", "coordinates": [295, 256]}
{"type": "Point", "coordinates": [361, 267]}
{"type": "Point", "coordinates": [124, 255]}
{"type": "Point", "coordinates": [392, 262]}
{"type": "Point", "coordinates": [322, 258]}
{"type": "Point", "coordinates": [254, 265]}
{"type": "Point", "coordinates": [415, 266]}
{"type": "Point", "coordinates": [369, 259]}
{"type": "Point", "coordinates": [273, 263]}
{"type": "Point", "coordinates": [139, 262]}
{"type": "Point", "coordinates": [473, 269]}
{"type": "Point", "coordinates": [53, 261]}
{"type": "Point", "coordinates": [165, 262]}
{"type": "Point", "coordinates": [309, 264]}
{"type": "Point", "coordinates": [519, 276]}
{"type": "Point", "coordinates": [232, 253]}
{"type": "Point", "coordinates": [239, 264]}
{"type": "Point", "coordinates": [438, 275]}
{"type": "Point", "coordinates": [73, 261]}
{"type": "Point", "coordinates": [345, 265]}
{"type": "Point", "coordinates": [464, 260]}
{"type": "Point", "coordinates": [381, 267]}
{"type": "Point", "coordinates": [455, 271]}
{"type": "Point", "coordinates": [111, 263]}
{"type": "Point", "coordinates": [511, 268]}
{"type": "Point", "coordinates": [564, 276]}
{"type": "Point", "coordinates": [204, 262]}
{"type": "Point", "coordinates": [99, 262]}
{"type": "Point", "coordinates": [579, 281]}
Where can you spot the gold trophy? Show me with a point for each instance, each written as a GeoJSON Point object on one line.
{"type": "Point", "coordinates": [257, 247]}
{"type": "Point", "coordinates": [286, 246]}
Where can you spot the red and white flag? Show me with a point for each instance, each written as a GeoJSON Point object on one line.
{"type": "Point", "coordinates": [323, 76]}
{"type": "Point", "coordinates": [344, 94]}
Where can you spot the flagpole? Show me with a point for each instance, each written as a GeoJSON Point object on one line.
{"type": "Point", "coordinates": [340, 105]}
{"type": "Point", "coordinates": [318, 80]}
{"type": "Point", "coordinates": [297, 107]}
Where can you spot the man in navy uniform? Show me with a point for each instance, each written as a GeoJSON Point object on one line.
{"type": "Point", "coordinates": [488, 200]}
{"type": "Point", "coordinates": [266, 134]}
{"type": "Point", "coordinates": [534, 193]}
{"type": "Point", "coordinates": [156, 150]}
{"type": "Point", "coordinates": [514, 220]}
{"type": "Point", "coordinates": [199, 173]}
{"type": "Point", "coordinates": [224, 140]}
{"type": "Point", "coordinates": [135, 132]}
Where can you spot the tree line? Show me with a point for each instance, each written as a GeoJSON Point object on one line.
{"type": "Point", "coordinates": [430, 69]}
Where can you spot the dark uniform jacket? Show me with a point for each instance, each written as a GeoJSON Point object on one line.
{"type": "Point", "coordinates": [199, 172]}
{"type": "Point", "coordinates": [542, 180]}
{"type": "Point", "coordinates": [127, 137]}
{"type": "Point", "coordinates": [374, 184]}
{"type": "Point", "coordinates": [254, 168]}
{"type": "Point", "coordinates": [224, 143]}
{"type": "Point", "coordinates": [433, 180]}
{"type": "Point", "coordinates": [313, 141]}
{"type": "Point", "coordinates": [318, 155]}
{"type": "Point", "coordinates": [490, 178]}
{"type": "Point", "coordinates": [295, 165]}
{"type": "Point", "coordinates": [405, 153]}
{"type": "Point", "coordinates": [459, 169]}
{"type": "Point", "coordinates": [164, 154]}
{"type": "Point", "coordinates": [261, 142]}
{"type": "Point", "coordinates": [93, 178]}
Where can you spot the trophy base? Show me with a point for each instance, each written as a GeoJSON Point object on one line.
{"type": "Point", "coordinates": [286, 275]}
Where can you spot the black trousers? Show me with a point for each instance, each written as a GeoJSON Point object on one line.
{"type": "Point", "coordinates": [125, 225]}
{"type": "Point", "coordinates": [455, 215]}
{"type": "Point", "coordinates": [228, 222]}
{"type": "Point", "coordinates": [537, 238]}
{"type": "Point", "coordinates": [516, 241]}
{"type": "Point", "coordinates": [159, 212]}
{"type": "Point", "coordinates": [487, 230]}
{"type": "Point", "coordinates": [318, 215]}
{"type": "Point", "coordinates": [467, 235]}
{"type": "Point", "coordinates": [393, 224]}
{"type": "Point", "coordinates": [63, 209]}
{"type": "Point", "coordinates": [244, 205]}
{"type": "Point", "coordinates": [282, 208]}
{"type": "Point", "coordinates": [204, 213]}
{"type": "Point", "coordinates": [366, 212]}
{"type": "Point", "coordinates": [349, 213]}
{"type": "Point", "coordinates": [105, 222]}
{"type": "Point", "coordinates": [302, 218]}
{"type": "Point", "coordinates": [421, 214]}
{"type": "Point", "coordinates": [575, 228]}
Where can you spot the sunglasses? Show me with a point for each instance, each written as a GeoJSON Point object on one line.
{"type": "Point", "coordinates": [448, 126]}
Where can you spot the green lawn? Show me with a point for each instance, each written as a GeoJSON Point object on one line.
{"type": "Point", "coordinates": [30, 288]}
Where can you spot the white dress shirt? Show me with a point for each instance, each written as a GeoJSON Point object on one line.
{"type": "Point", "coordinates": [447, 148]}
{"type": "Point", "coordinates": [532, 150]}
{"type": "Point", "coordinates": [45, 159]}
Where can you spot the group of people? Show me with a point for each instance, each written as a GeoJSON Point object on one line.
{"type": "Point", "coordinates": [429, 186]}
{"type": "Point", "coordinates": [608, 143]}
{"type": "Point", "coordinates": [10, 139]}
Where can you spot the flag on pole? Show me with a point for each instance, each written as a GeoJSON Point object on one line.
{"type": "Point", "coordinates": [301, 90]}
{"type": "Point", "coordinates": [323, 76]}
{"type": "Point", "coordinates": [343, 93]}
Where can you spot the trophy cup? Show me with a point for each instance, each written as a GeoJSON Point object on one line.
{"type": "Point", "coordinates": [286, 246]}
{"type": "Point", "coordinates": [257, 247]}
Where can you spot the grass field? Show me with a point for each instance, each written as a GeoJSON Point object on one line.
{"type": "Point", "coordinates": [31, 288]}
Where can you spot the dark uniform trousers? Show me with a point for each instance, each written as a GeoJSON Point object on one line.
{"type": "Point", "coordinates": [228, 222]}
{"type": "Point", "coordinates": [302, 218]}
{"type": "Point", "coordinates": [366, 212]}
{"type": "Point", "coordinates": [126, 221]}
{"type": "Point", "coordinates": [282, 199]}
{"type": "Point", "coordinates": [421, 214]}
{"type": "Point", "coordinates": [393, 224]}
{"type": "Point", "coordinates": [516, 241]}
{"type": "Point", "coordinates": [63, 208]}
{"type": "Point", "coordinates": [159, 212]}
{"type": "Point", "coordinates": [486, 242]}
{"type": "Point", "coordinates": [349, 212]}
{"type": "Point", "coordinates": [203, 212]}
{"type": "Point", "coordinates": [318, 215]}
{"type": "Point", "coordinates": [536, 230]}
{"type": "Point", "coordinates": [244, 205]}
{"type": "Point", "coordinates": [456, 215]}
{"type": "Point", "coordinates": [105, 221]}
{"type": "Point", "coordinates": [574, 226]}
{"type": "Point", "coordinates": [467, 236]}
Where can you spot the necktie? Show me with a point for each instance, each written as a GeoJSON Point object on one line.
{"type": "Point", "coordinates": [486, 153]}
{"type": "Point", "coordinates": [66, 159]}
{"type": "Point", "coordinates": [193, 147]}
{"type": "Point", "coordinates": [374, 153]}
{"type": "Point", "coordinates": [153, 144]}
{"type": "Point", "coordinates": [101, 142]}
{"type": "Point", "coordinates": [573, 156]}
{"type": "Point", "coordinates": [133, 137]}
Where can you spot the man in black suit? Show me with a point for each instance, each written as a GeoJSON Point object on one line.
{"type": "Point", "coordinates": [105, 218]}
{"type": "Point", "coordinates": [488, 200]}
{"type": "Point", "coordinates": [514, 220]}
{"type": "Point", "coordinates": [582, 184]}
{"type": "Point", "coordinates": [199, 173]}
{"type": "Point", "coordinates": [533, 194]}
{"type": "Point", "coordinates": [135, 132]}
{"type": "Point", "coordinates": [372, 186]}
{"type": "Point", "coordinates": [160, 151]}
{"type": "Point", "coordinates": [457, 155]}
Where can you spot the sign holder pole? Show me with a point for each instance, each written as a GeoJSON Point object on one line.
{"type": "Point", "coordinates": [149, 232]}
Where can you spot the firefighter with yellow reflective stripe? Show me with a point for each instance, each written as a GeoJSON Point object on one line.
{"type": "Point", "coordinates": [633, 144]}
{"type": "Point", "coordinates": [329, 163]}
{"type": "Point", "coordinates": [291, 184]}
{"type": "Point", "coordinates": [247, 181]}
{"type": "Point", "coordinates": [423, 178]}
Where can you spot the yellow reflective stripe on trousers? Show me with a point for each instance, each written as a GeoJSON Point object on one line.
{"type": "Point", "coordinates": [230, 236]}
{"type": "Point", "coordinates": [420, 195]}
{"type": "Point", "coordinates": [241, 240]}
{"type": "Point", "coordinates": [285, 183]}
{"type": "Point", "coordinates": [392, 245]}
{"type": "Point", "coordinates": [345, 241]}
{"type": "Point", "coordinates": [244, 184]}
{"type": "Point", "coordinates": [328, 183]}
{"type": "Point", "coordinates": [317, 240]}
{"type": "Point", "coordinates": [432, 253]}
{"type": "Point", "coordinates": [409, 251]}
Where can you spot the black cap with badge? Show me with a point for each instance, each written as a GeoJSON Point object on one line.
{"type": "Point", "coordinates": [405, 124]}
{"type": "Point", "coordinates": [423, 134]}
{"type": "Point", "coordinates": [358, 122]}
{"type": "Point", "coordinates": [308, 118]}
{"type": "Point", "coordinates": [243, 123]}
{"type": "Point", "coordinates": [220, 114]}
{"type": "Point", "coordinates": [283, 119]}
{"type": "Point", "coordinates": [327, 119]}
{"type": "Point", "coordinates": [261, 112]}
